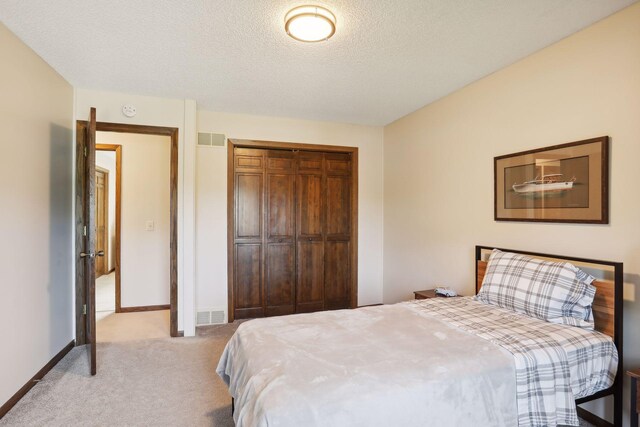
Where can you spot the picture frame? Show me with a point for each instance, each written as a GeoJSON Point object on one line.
{"type": "Point", "coordinates": [567, 183]}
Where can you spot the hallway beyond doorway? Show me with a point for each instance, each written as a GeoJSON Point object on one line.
{"type": "Point", "coordinates": [105, 295]}
{"type": "Point", "coordinates": [118, 327]}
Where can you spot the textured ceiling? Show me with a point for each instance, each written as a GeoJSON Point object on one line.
{"type": "Point", "coordinates": [387, 59]}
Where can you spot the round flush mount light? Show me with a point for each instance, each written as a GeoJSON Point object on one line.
{"type": "Point", "coordinates": [310, 23]}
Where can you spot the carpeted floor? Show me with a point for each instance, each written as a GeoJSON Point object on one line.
{"type": "Point", "coordinates": [159, 382]}
{"type": "Point", "coordinates": [149, 382]}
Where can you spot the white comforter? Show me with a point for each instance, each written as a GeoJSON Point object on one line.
{"type": "Point", "coordinates": [388, 365]}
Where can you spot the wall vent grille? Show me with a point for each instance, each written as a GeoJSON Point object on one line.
{"type": "Point", "coordinates": [211, 139]}
{"type": "Point", "coordinates": [203, 318]}
{"type": "Point", "coordinates": [212, 317]}
{"type": "Point", "coordinates": [217, 317]}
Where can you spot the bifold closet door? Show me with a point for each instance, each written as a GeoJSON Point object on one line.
{"type": "Point", "coordinates": [280, 245]}
{"type": "Point", "coordinates": [248, 273]}
{"type": "Point", "coordinates": [337, 247]}
{"type": "Point", "coordinates": [292, 246]}
{"type": "Point", "coordinates": [310, 232]}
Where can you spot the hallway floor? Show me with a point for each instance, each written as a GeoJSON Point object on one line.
{"type": "Point", "coordinates": [120, 327]}
{"type": "Point", "coordinates": [105, 295]}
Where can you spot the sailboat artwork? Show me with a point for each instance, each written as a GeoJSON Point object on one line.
{"type": "Point", "coordinates": [551, 184]}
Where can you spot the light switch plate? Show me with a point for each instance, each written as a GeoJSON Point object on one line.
{"type": "Point", "coordinates": [149, 226]}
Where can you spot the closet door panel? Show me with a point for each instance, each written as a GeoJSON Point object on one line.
{"type": "Point", "coordinates": [310, 162]}
{"type": "Point", "coordinates": [310, 280]}
{"type": "Point", "coordinates": [338, 163]}
{"type": "Point", "coordinates": [338, 205]}
{"type": "Point", "coordinates": [248, 252]}
{"type": "Point", "coordinates": [309, 205]}
{"type": "Point", "coordinates": [248, 280]}
{"type": "Point", "coordinates": [280, 233]}
{"type": "Point", "coordinates": [249, 205]}
{"type": "Point", "coordinates": [310, 232]}
{"type": "Point", "coordinates": [248, 159]}
{"type": "Point", "coordinates": [280, 161]}
{"type": "Point", "coordinates": [280, 206]}
{"type": "Point", "coordinates": [338, 225]}
{"type": "Point", "coordinates": [337, 275]}
{"type": "Point", "coordinates": [280, 278]}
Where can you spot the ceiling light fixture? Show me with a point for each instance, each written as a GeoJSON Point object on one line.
{"type": "Point", "coordinates": [310, 23]}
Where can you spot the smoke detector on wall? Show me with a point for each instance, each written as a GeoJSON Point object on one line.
{"type": "Point", "coordinates": [129, 110]}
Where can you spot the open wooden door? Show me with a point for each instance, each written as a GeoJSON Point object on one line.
{"type": "Point", "coordinates": [88, 253]}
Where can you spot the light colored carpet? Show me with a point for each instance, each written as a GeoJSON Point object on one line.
{"type": "Point", "coordinates": [157, 382]}
{"type": "Point", "coordinates": [150, 382]}
{"type": "Point", "coordinates": [142, 325]}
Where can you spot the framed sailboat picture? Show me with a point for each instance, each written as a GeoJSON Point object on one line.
{"type": "Point", "coordinates": [561, 183]}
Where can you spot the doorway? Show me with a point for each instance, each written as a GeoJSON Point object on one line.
{"type": "Point", "coordinates": [143, 204]}
{"type": "Point", "coordinates": [102, 220]}
{"type": "Point", "coordinates": [81, 294]}
{"type": "Point", "coordinates": [108, 216]}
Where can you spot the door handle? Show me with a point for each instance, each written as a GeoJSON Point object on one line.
{"type": "Point", "coordinates": [91, 255]}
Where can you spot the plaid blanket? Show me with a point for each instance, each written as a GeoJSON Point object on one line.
{"type": "Point", "coordinates": [555, 364]}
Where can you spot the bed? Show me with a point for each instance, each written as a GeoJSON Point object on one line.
{"type": "Point", "coordinates": [440, 362]}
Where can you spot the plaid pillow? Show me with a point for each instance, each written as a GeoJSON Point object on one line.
{"type": "Point", "coordinates": [557, 292]}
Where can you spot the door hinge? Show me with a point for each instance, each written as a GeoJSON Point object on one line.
{"type": "Point", "coordinates": [85, 151]}
{"type": "Point", "coordinates": [84, 230]}
{"type": "Point", "coordinates": [84, 309]}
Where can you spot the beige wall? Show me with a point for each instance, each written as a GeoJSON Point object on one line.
{"type": "Point", "coordinates": [36, 213]}
{"type": "Point", "coordinates": [144, 254]}
{"type": "Point", "coordinates": [211, 213]}
{"type": "Point", "coordinates": [439, 164]}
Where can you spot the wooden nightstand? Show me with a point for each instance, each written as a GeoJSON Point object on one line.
{"type": "Point", "coordinates": [428, 293]}
{"type": "Point", "coordinates": [635, 392]}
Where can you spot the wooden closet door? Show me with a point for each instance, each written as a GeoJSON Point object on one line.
{"type": "Point", "coordinates": [310, 232]}
{"type": "Point", "coordinates": [337, 249]}
{"type": "Point", "coordinates": [293, 244]}
{"type": "Point", "coordinates": [248, 239]}
{"type": "Point", "coordinates": [280, 233]}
